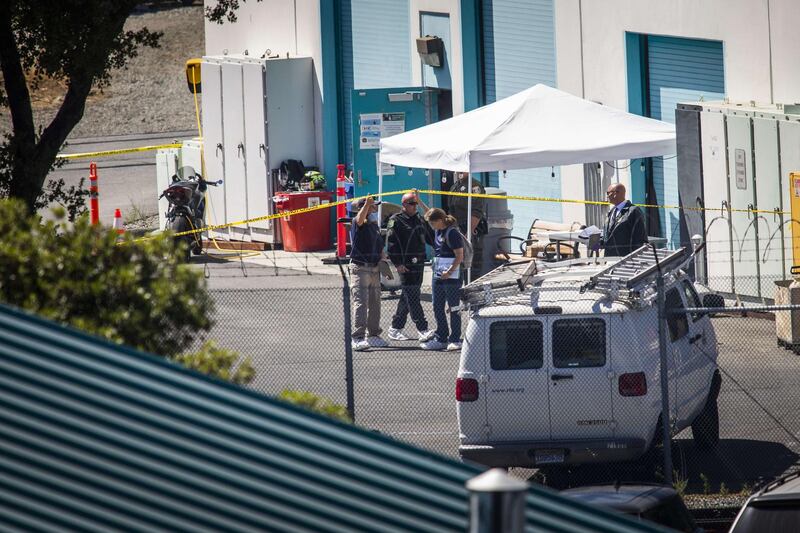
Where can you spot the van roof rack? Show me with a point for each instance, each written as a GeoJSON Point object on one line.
{"type": "Point", "coordinates": [507, 280]}
{"type": "Point", "coordinates": [636, 271]}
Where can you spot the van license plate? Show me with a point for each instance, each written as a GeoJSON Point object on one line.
{"type": "Point", "coordinates": [544, 457]}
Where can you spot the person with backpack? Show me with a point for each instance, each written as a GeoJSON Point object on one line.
{"type": "Point", "coordinates": [449, 258]}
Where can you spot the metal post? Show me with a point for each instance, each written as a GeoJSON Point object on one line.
{"type": "Point", "coordinates": [697, 240]}
{"type": "Point", "coordinates": [662, 351]}
{"type": "Point", "coordinates": [341, 232]}
{"type": "Point", "coordinates": [496, 502]}
{"type": "Point", "coordinates": [469, 221]}
{"type": "Point", "coordinates": [348, 344]}
{"type": "Point", "coordinates": [380, 190]}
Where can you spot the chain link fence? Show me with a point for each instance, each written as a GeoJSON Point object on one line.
{"type": "Point", "coordinates": [565, 396]}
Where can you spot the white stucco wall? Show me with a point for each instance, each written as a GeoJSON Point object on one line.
{"type": "Point", "coordinates": [745, 27]}
{"type": "Point", "coordinates": [280, 26]}
{"type": "Point", "coordinates": [452, 8]}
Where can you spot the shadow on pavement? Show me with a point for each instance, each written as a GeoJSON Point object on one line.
{"type": "Point", "coordinates": [735, 462]}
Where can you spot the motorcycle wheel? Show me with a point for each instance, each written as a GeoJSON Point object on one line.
{"type": "Point", "coordinates": [179, 224]}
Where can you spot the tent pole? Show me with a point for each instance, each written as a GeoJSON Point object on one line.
{"type": "Point", "coordinates": [380, 190]}
{"type": "Point", "coordinates": [469, 219]}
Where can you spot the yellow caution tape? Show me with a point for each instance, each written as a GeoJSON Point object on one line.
{"type": "Point", "coordinates": [448, 193]}
{"type": "Point", "coordinates": [117, 152]}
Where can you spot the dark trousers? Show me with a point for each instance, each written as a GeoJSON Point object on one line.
{"type": "Point", "coordinates": [446, 292]}
{"type": "Point", "coordinates": [409, 302]}
{"type": "Point", "coordinates": [476, 269]}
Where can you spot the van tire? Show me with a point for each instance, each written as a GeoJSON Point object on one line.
{"type": "Point", "coordinates": [705, 427]}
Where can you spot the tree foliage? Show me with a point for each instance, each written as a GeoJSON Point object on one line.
{"type": "Point", "coordinates": [318, 404]}
{"type": "Point", "coordinates": [219, 362]}
{"type": "Point", "coordinates": [80, 42]}
{"type": "Point", "coordinates": [139, 293]}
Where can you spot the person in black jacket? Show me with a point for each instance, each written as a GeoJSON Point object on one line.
{"type": "Point", "coordinates": [407, 234]}
{"type": "Point", "coordinates": [625, 229]}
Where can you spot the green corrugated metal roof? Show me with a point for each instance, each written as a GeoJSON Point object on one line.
{"type": "Point", "coordinates": [95, 436]}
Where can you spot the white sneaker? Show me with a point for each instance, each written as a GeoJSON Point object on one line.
{"type": "Point", "coordinates": [397, 335]}
{"type": "Point", "coordinates": [360, 345]}
{"type": "Point", "coordinates": [426, 335]}
{"type": "Point", "coordinates": [377, 342]}
{"type": "Point", "coordinates": [433, 344]}
{"type": "Point", "coordinates": [454, 347]}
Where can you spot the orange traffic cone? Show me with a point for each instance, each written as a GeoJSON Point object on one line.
{"type": "Point", "coordinates": [118, 225]}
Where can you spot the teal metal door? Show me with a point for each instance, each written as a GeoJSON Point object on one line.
{"type": "Point", "coordinates": [383, 112]}
{"type": "Point", "coordinates": [679, 70]}
{"type": "Point", "coordinates": [519, 52]}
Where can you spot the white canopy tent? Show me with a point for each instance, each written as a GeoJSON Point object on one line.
{"type": "Point", "coordinates": [538, 127]}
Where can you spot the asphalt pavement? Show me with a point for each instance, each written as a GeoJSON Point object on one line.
{"type": "Point", "coordinates": [126, 181]}
{"type": "Point", "coordinates": [289, 320]}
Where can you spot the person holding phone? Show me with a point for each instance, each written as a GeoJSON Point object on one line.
{"type": "Point", "coordinates": [365, 256]}
{"type": "Point", "coordinates": [448, 255]}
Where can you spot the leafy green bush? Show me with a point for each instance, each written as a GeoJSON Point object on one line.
{"type": "Point", "coordinates": [137, 293]}
{"type": "Point", "coordinates": [219, 362]}
{"type": "Point", "coordinates": [315, 403]}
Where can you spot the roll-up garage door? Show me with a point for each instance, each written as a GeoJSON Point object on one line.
{"type": "Point", "coordinates": [519, 52]}
{"type": "Point", "coordinates": [679, 70]}
{"type": "Point", "coordinates": [375, 51]}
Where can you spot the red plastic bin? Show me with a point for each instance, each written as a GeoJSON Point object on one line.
{"type": "Point", "coordinates": [306, 232]}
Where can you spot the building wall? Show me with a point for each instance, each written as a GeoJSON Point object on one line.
{"type": "Point", "coordinates": [591, 54]}
{"type": "Point", "coordinates": [374, 36]}
{"type": "Point", "coordinates": [518, 53]}
{"type": "Point", "coordinates": [455, 59]}
{"type": "Point", "coordinates": [282, 27]}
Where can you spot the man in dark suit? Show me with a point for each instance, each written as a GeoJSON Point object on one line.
{"type": "Point", "coordinates": [625, 228]}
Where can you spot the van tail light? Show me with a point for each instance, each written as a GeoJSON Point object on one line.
{"type": "Point", "coordinates": [633, 384]}
{"type": "Point", "coordinates": [466, 390]}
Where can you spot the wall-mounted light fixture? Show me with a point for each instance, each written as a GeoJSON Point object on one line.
{"type": "Point", "coordinates": [431, 50]}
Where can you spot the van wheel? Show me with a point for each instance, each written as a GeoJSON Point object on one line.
{"type": "Point", "coordinates": [705, 427]}
{"type": "Point", "coordinates": [653, 458]}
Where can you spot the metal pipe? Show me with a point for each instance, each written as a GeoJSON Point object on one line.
{"type": "Point", "coordinates": [348, 344]}
{"type": "Point", "coordinates": [662, 352]}
{"type": "Point", "coordinates": [758, 308]}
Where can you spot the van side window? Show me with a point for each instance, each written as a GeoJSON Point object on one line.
{"type": "Point", "coordinates": [678, 323]}
{"type": "Point", "coordinates": [516, 344]}
{"type": "Point", "coordinates": [692, 299]}
{"type": "Point", "coordinates": [579, 342]}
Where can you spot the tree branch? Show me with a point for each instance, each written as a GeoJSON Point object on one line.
{"type": "Point", "coordinates": [16, 88]}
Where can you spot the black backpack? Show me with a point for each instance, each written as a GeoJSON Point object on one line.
{"type": "Point", "coordinates": [291, 174]}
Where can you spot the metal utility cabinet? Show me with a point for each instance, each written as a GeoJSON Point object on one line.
{"type": "Point", "coordinates": [256, 114]}
{"type": "Point", "coordinates": [735, 158]}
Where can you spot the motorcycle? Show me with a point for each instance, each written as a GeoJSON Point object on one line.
{"type": "Point", "coordinates": [187, 205]}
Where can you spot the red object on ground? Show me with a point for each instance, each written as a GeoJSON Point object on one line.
{"type": "Point", "coordinates": [341, 212]}
{"type": "Point", "coordinates": [118, 225]}
{"type": "Point", "coordinates": [94, 203]}
{"type": "Point", "coordinates": [306, 232]}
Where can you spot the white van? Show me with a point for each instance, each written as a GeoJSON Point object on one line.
{"type": "Point", "coordinates": [560, 362]}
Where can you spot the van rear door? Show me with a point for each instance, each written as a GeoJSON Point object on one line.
{"type": "Point", "coordinates": [580, 380]}
{"type": "Point", "coordinates": [517, 386]}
